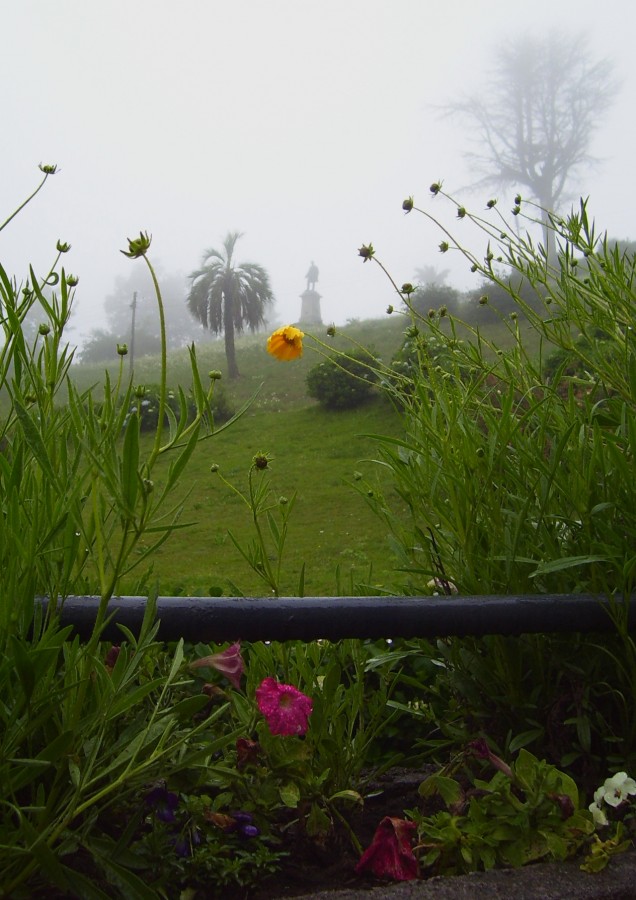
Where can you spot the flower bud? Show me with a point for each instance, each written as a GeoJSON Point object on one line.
{"type": "Point", "coordinates": [215, 375]}
{"type": "Point", "coordinates": [389, 309]}
{"type": "Point", "coordinates": [443, 247]}
{"type": "Point", "coordinates": [140, 391]}
{"type": "Point", "coordinates": [483, 300]}
{"type": "Point", "coordinates": [214, 467]}
{"type": "Point", "coordinates": [435, 188]}
{"type": "Point", "coordinates": [122, 349]}
{"type": "Point", "coordinates": [283, 501]}
{"type": "Point", "coordinates": [407, 205]}
{"type": "Point", "coordinates": [357, 476]}
{"type": "Point", "coordinates": [474, 267]}
{"type": "Point", "coordinates": [261, 461]}
{"type": "Point", "coordinates": [491, 203]}
{"type": "Point", "coordinates": [138, 246]}
{"type": "Point", "coordinates": [518, 200]}
{"type": "Point", "coordinates": [48, 170]}
{"type": "Point", "coordinates": [431, 313]}
{"type": "Point", "coordinates": [407, 288]}
{"type": "Point", "coordinates": [72, 280]}
{"type": "Point", "coordinates": [44, 329]}
{"type": "Point", "coordinates": [62, 247]}
{"type": "Point", "coordinates": [516, 210]}
{"type": "Point", "coordinates": [443, 311]}
{"type": "Point", "coordinates": [366, 251]}
{"type": "Point", "coordinates": [331, 331]}
{"type": "Point", "coordinates": [461, 212]}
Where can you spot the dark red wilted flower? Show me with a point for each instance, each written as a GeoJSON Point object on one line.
{"type": "Point", "coordinates": [390, 854]}
{"type": "Point", "coordinates": [482, 751]}
{"type": "Point", "coordinates": [111, 657]}
{"type": "Point", "coordinates": [247, 752]}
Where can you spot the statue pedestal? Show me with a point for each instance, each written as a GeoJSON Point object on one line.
{"type": "Point", "coordinates": [310, 308]}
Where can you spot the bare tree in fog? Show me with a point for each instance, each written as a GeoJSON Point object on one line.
{"type": "Point", "coordinates": [224, 297]}
{"type": "Point", "coordinates": [535, 118]}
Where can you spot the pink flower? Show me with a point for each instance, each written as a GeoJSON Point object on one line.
{"type": "Point", "coordinates": [390, 854]}
{"type": "Point", "coordinates": [229, 663]}
{"type": "Point", "coordinates": [285, 708]}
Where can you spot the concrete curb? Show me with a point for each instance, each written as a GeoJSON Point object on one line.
{"type": "Point", "coordinates": [543, 881]}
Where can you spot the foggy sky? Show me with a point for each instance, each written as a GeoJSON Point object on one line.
{"type": "Point", "coordinates": [302, 123]}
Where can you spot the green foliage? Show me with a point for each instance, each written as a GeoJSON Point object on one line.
{"type": "Point", "coordinates": [518, 483]}
{"type": "Point", "coordinates": [146, 404]}
{"type": "Point", "coordinates": [513, 819]}
{"type": "Point", "coordinates": [435, 297]}
{"type": "Point", "coordinates": [343, 381]}
{"type": "Point", "coordinates": [79, 733]}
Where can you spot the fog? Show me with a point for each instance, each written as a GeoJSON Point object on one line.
{"type": "Point", "coordinates": [302, 124]}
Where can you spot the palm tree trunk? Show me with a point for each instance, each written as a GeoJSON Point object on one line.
{"type": "Point", "coordinates": [228, 329]}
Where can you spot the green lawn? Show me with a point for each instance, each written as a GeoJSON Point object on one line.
{"type": "Point", "coordinates": [315, 454]}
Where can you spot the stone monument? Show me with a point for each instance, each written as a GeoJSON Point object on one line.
{"type": "Point", "coordinates": [310, 299]}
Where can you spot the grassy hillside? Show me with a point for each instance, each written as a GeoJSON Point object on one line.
{"type": "Point", "coordinates": [315, 453]}
{"type": "Point", "coordinates": [279, 385]}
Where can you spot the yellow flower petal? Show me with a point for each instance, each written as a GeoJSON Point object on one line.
{"type": "Point", "coordinates": [286, 343]}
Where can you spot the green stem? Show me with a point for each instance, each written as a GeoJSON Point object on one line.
{"type": "Point", "coordinates": [28, 200]}
{"type": "Point", "coordinates": [164, 368]}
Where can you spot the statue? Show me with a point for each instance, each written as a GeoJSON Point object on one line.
{"type": "Point", "coordinates": [312, 276]}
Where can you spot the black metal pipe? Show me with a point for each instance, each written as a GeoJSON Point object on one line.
{"type": "Point", "coordinates": [217, 619]}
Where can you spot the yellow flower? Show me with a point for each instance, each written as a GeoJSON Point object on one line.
{"type": "Point", "coordinates": [286, 343]}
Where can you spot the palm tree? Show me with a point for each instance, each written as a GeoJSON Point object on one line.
{"type": "Point", "coordinates": [225, 297]}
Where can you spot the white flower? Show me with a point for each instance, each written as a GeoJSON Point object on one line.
{"type": "Point", "coordinates": [617, 788]}
{"type": "Point", "coordinates": [597, 814]}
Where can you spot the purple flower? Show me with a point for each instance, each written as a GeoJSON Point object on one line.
{"type": "Point", "coordinates": [229, 663]}
{"type": "Point", "coordinates": [163, 803]}
{"type": "Point", "coordinates": [186, 842]}
{"type": "Point", "coordinates": [286, 709]}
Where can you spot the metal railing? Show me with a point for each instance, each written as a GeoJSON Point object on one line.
{"type": "Point", "coordinates": [221, 619]}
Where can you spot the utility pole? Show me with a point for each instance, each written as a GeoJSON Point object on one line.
{"type": "Point", "coordinates": [133, 306]}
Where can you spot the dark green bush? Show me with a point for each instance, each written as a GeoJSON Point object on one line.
{"type": "Point", "coordinates": [148, 406]}
{"type": "Point", "coordinates": [436, 296]}
{"type": "Point", "coordinates": [343, 382]}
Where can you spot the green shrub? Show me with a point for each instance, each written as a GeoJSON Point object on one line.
{"type": "Point", "coordinates": [147, 405]}
{"type": "Point", "coordinates": [343, 381]}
